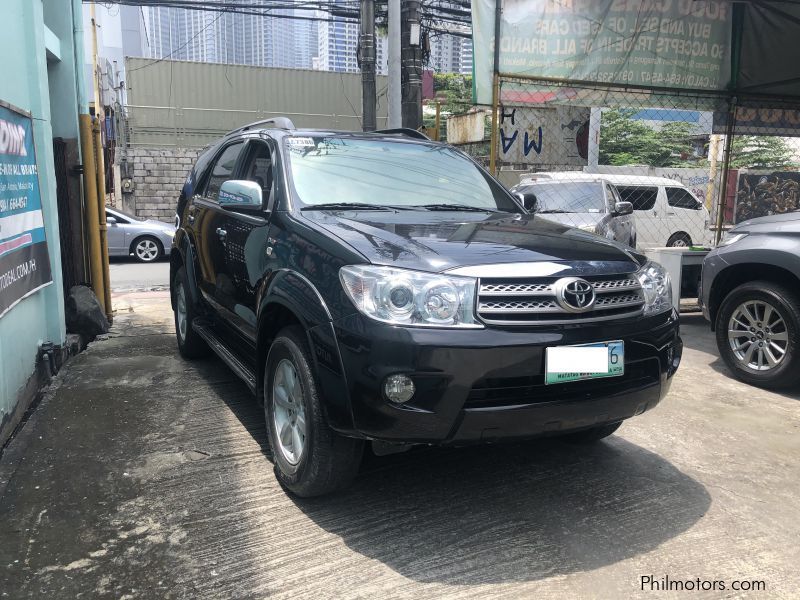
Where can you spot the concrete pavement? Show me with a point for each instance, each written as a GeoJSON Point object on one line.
{"type": "Point", "coordinates": [127, 274]}
{"type": "Point", "coordinates": [141, 475]}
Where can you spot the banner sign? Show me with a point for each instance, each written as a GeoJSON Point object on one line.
{"type": "Point", "coordinates": [784, 122]}
{"type": "Point", "coordinates": [661, 43]}
{"type": "Point", "coordinates": [24, 259]}
{"type": "Point", "coordinates": [553, 136]}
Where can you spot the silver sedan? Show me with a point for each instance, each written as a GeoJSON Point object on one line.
{"type": "Point", "coordinates": [147, 240]}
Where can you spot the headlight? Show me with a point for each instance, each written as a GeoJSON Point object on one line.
{"type": "Point", "coordinates": [404, 297]}
{"type": "Point", "coordinates": [730, 238]}
{"type": "Point", "coordinates": [589, 228]}
{"type": "Point", "coordinates": [657, 288]}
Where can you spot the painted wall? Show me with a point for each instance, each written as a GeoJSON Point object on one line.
{"type": "Point", "coordinates": [29, 83]}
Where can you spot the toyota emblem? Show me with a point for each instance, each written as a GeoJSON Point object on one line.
{"type": "Point", "coordinates": [574, 294]}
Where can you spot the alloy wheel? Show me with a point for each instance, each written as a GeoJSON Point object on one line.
{"type": "Point", "coordinates": [288, 412]}
{"type": "Point", "coordinates": [146, 250]}
{"type": "Point", "coordinates": [758, 336]}
{"type": "Point", "coordinates": [183, 320]}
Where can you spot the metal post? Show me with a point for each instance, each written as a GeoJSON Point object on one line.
{"type": "Point", "coordinates": [101, 221]}
{"type": "Point", "coordinates": [498, 14]}
{"type": "Point", "coordinates": [410, 53]}
{"type": "Point", "coordinates": [367, 43]}
{"type": "Point", "coordinates": [395, 93]}
{"type": "Point", "coordinates": [438, 122]}
{"type": "Point", "coordinates": [92, 217]}
{"type": "Point", "coordinates": [726, 161]}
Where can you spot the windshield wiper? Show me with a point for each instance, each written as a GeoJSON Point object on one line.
{"type": "Point", "coordinates": [549, 211]}
{"type": "Point", "coordinates": [453, 207]}
{"type": "Point", "coordinates": [345, 206]}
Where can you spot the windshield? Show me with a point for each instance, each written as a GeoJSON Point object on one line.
{"type": "Point", "coordinates": [345, 170]}
{"type": "Point", "coordinates": [568, 197]}
{"type": "Point", "coordinates": [124, 215]}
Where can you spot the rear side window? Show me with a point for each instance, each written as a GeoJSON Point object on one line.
{"type": "Point", "coordinates": [681, 198]}
{"type": "Point", "coordinates": [642, 198]}
{"type": "Point", "coordinates": [222, 169]}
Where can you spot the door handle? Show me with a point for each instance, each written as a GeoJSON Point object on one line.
{"type": "Point", "coordinates": [222, 233]}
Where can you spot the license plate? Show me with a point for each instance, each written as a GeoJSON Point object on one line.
{"type": "Point", "coordinates": [584, 361]}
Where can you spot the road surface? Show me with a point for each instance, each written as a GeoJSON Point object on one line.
{"type": "Point", "coordinates": [127, 274]}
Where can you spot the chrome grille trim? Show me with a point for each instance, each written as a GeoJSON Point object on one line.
{"type": "Point", "coordinates": [507, 301]}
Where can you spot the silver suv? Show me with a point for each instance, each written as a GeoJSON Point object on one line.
{"type": "Point", "coordinates": [751, 295]}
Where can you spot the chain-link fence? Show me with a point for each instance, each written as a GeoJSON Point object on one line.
{"type": "Point", "coordinates": [640, 167]}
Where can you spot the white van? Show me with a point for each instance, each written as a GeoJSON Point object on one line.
{"type": "Point", "coordinates": [666, 212]}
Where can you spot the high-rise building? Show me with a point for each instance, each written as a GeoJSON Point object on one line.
{"type": "Point", "coordinates": [233, 38]}
{"type": "Point", "coordinates": [450, 54]}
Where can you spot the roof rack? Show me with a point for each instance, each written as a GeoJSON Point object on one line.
{"type": "Point", "coordinates": [407, 131]}
{"type": "Point", "coordinates": [275, 122]}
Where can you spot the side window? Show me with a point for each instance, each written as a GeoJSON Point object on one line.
{"type": "Point", "coordinates": [222, 170]}
{"type": "Point", "coordinates": [642, 198]}
{"type": "Point", "coordinates": [613, 195]}
{"type": "Point", "coordinates": [119, 219]}
{"type": "Point", "coordinates": [259, 167]}
{"type": "Point", "coordinates": [681, 198]}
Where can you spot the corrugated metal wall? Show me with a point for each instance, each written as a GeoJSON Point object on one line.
{"type": "Point", "coordinates": [180, 103]}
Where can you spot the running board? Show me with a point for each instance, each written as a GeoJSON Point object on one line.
{"type": "Point", "coordinates": [244, 372]}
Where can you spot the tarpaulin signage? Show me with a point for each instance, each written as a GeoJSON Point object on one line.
{"type": "Point", "coordinates": [660, 43]}
{"type": "Point", "coordinates": [24, 260]}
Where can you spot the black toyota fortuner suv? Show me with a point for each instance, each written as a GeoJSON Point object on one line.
{"type": "Point", "coordinates": [384, 288]}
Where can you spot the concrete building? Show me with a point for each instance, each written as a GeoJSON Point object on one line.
{"type": "Point", "coordinates": [451, 54]}
{"type": "Point", "coordinates": [42, 91]}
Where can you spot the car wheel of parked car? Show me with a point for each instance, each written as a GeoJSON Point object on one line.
{"type": "Point", "coordinates": [190, 344]}
{"type": "Point", "coordinates": [594, 434]}
{"type": "Point", "coordinates": [679, 240]}
{"type": "Point", "coordinates": [147, 249]}
{"type": "Point", "coordinates": [757, 328]}
{"type": "Point", "coordinates": [310, 458]}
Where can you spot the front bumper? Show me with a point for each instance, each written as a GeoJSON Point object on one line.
{"type": "Point", "coordinates": [488, 384]}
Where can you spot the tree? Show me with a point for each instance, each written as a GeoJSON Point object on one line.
{"type": "Point", "coordinates": [628, 141]}
{"type": "Point", "coordinates": [761, 152]}
{"type": "Point", "coordinates": [456, 91]}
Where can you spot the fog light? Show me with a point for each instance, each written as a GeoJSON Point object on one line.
{"type": "Point", "coordinates": [398, 388]}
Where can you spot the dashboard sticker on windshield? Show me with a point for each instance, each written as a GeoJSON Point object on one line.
{"type": "Point", "coordinates": [301, 142]}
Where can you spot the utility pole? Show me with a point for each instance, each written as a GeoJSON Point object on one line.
{"type": "Point", "coordinates": [367, 49]}
{"type": "Point", "coordinates": [395, 86]}
{"type": "Point", "coordinates": [411, 60]}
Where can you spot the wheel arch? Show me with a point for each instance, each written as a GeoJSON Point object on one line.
{"type": "Point", "coordinates": [735, 275]}
{"type": "Point", "coordinates": [142, 236]}
{"type": "Point", "coordinates": [291, 299]}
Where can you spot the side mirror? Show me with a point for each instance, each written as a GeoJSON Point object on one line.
{"type": "Point", "coordinates": [528, 201]}
{"type": "Point", "coordinates": [623, 208]}
{"type": "Point", "coordinates": [111, 220]}
{"type": "Point", "coordinates": [240, 194]}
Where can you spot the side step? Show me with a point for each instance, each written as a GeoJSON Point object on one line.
{"type": "Point", "coordinates": [205, 331]}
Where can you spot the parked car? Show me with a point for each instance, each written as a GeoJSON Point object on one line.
{"type": "Point", "coordinates": [751, 295]}
{"type": "Point", "coordinates": [665, 211]}
{"type": "Point", "coordinates": [382, 288]}
{"type": "Point", "coordinates": [146, 239]}
{"type": "Point", "coordinates": [588, 202]}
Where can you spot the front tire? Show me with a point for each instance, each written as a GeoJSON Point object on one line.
{"type": "Point", "coordinates": [147, 249]}
{"type": "Point", "coordinates": [310, 458]}
{"type": "Point", "coordinates": [679, 240]}
{"type": "Point", "coordinates": [757, 334]}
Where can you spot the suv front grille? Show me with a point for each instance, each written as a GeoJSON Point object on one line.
{"type": "Point", "coordinates": [531, 301]}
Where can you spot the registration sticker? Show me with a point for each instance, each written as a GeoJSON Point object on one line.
{"type": "Point", "coordinates": [585, 361]}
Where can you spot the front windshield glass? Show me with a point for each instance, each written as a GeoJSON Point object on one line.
{"type": "Point", "coordinates": [376, 172]}
{"type": "Point", "coordinates": [568, 197]}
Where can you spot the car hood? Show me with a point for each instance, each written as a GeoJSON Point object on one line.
{"type": "Point", "coordinates": [440, 241]}
{"type": "Point", "coordinates": [156, 225]}
{"type": "Point", "coordinates": [785, 222]}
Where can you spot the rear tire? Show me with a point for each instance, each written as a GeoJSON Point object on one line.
{"type": "Point", "coordinates": [190, 344]}
{"type": "Point", "coordinates": [777, 337]}
{"type": "Point", "coordinates": [310, 458]}
{"type": "Point", "coordinates": [679, 240]}
{"type": "Point", "coordinates": [592, 435]}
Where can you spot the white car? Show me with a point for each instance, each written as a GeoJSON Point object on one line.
{"type": "Point", "coordinates": [665, 210]}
